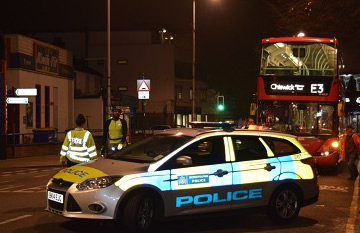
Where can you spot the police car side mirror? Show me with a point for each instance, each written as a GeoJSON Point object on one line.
{"type": "Point", "coordinates": [184, 160]}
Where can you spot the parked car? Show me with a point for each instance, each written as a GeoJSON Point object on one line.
{"type": "Point", "coordinates": [184, 171]}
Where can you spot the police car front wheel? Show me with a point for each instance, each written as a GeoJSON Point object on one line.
{"type": "Point", "coordinates": [138, 213]}
{"type": "Point", "coordinates": [284, 205]}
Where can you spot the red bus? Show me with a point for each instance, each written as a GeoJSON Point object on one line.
{"type": "Point", "coordinates": [299, 92]}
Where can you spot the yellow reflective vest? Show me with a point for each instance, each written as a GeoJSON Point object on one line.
{"type": "Point", "coordinates": [115, 131]}
{"type": "Point", "coordinates": [78, 147]}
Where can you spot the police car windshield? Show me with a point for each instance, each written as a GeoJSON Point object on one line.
{"type": "Point", "coordinates": [150, 149]}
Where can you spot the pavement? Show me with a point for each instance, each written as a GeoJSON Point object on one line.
{"type": "Point", "coordinates": [39, 155]}
{"type": "Point", "coordinates": [31, 161]}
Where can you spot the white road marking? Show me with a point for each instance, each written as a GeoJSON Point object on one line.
{"type": "Point", "coordinates": [354, 208]}
{"type": "Point", "coordinates": [40, 176]}
{"type": "Point", "coordinates": [334, 188]}
{"type": "Point", "coordinates": [6, 181]}
{"type": "Point", "coordinates": [31, 190]}
{"type": "Point", "coordinates": [15, 219]}
{"type": "Point", "coordinates": [20, 171]}
{"type": "Point", "coordinates": [10, 187]}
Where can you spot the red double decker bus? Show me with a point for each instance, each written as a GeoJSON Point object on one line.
{"type": "Point", "coordinates": [299, 92]}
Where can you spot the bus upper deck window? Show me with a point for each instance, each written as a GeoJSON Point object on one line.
{"type": "Point", "coordinates": [298, 52]}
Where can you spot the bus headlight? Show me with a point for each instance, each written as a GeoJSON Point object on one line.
{"type": "Point", "coordinates": [329, 147]}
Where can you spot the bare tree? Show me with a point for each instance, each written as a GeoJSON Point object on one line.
{"type": "Point", "coordinates": [328, 18]}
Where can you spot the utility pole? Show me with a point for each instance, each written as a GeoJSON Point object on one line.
{"type": "Point", "coordinates": [3, 139]}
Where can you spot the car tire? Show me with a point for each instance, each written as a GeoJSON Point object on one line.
{"type": "Point", "coordinates": [284, 205]}
{"type": "Point", "coordinates": [138, 213]}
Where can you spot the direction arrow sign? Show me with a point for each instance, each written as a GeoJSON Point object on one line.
{"type": "Point", "coordinates": [26, 92]}
{"type": "Point", "coordinates": [17, 100]}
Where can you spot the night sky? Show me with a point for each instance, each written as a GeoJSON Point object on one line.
{"type": "Point", "coordinates": [228, 32]}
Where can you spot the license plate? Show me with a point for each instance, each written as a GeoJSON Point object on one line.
{"type": "Point", "coordinates": [55, 197]}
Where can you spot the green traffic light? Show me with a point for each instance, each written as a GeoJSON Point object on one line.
{"type": "Point", "coordinates": [220, 107]}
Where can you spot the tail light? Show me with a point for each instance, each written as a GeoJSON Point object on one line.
{"type": "Point", "coordinates": [311, 161]}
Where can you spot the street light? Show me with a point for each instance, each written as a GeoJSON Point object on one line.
{"type": "Point", "coordinates": [193, 67]}
{"type": "Point", "coordinates": [108, 62]}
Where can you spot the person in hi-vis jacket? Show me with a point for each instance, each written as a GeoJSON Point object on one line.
{"type": "Point", "coordinates": [115, 130]}
{"type": "Point", "coordinates": [79, 145]}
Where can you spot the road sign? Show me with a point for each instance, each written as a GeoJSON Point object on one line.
{"type": "Point", "coordinates": [26, 92]}
{"type": "Point", "coordinates": [143, 95]}
{"type": "Point", "coordinates": [143, 85]}
{"type": "Point", "coordinates": [17, 100]}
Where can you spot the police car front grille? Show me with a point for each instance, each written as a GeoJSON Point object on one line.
{"type": "Point", "coordinates": [61, 183]}
{"type": "Point", "coordinates": [56, 205]}
{"type": "Point", "coordinates": [72, 205]}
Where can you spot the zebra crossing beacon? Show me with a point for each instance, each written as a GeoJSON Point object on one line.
{"type": "Point", "coordinates": [183, 171]}
{"type": "Point", "coordinates": [79, 145]}
{"type": "Point", "coordinates": [299, 92]}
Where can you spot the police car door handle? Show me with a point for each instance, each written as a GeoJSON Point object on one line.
{"type": "Point", "coordinates": [268, 167]}
{"type": "Point", "coordinates": [221, 173]}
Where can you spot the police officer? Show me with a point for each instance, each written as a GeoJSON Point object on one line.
{"type": "Point", "coordinates": [79, 145]}
{"type": "Point", "coordinates": [115, 130]}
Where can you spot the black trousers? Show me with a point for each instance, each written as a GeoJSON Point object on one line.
{"type": "Point", "coordinates": [70, 163]}
{"type": "Point", "coordinates": [352, 166]}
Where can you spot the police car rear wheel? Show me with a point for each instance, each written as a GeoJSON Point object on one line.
{"type": "Point", "coordinates": [284, 205]}
{"type": "Point", "coordinates": [139, 212]}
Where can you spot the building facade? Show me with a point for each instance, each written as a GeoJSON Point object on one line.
{"type": "Point", "coordinates": [31, 63]}
{"type": "Point", "coordinates": [50, 64]}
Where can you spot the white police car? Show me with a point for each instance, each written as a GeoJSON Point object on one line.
{"type": "Point", "coordinates": [189, 171]}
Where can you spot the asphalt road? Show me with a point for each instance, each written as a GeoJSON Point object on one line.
{"type": "Point", "coordinates": [23, 200]}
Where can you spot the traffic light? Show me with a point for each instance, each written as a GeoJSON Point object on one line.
{"type": "Point", "coordinates": [220, 103]}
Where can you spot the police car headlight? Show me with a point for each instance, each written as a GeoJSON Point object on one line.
{"type": "Point", "coordinates": [97, 183]}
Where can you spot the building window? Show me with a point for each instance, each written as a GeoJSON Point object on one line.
{"type": "Point", "coordinates": [179, 93]}
{"type": "Point", "coordinates": [38, 107]}
{"type": "Point", "coordinates": [47, 106]}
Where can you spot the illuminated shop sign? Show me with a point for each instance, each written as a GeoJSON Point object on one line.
{"type": "Point", "coordinates": [301, 86]}
{"type": "Point", "coordinates": [46, 59]}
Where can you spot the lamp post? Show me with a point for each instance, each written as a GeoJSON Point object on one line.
{"type": "Point", "coordinates": [108, 63]}
{"type": "Point", "coordinates": [193, 67]}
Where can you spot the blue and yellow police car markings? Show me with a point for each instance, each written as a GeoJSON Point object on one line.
{"type": "Point", "coordinates": [217, 198]}
{"type": "Point", "coordinates": [193, 179]}
{"type": "Point", "coordinates": [229, 149]}
{"type": "Point", "coordinates": [78, 174]}
{"type": "Point", "coordinates": [200, 177]}
{"type": "Point", "coordinates": [293, 164]}
{"type": "Point", "coordinates": [248, 172]}
{"type": "Point", "coordinates": [159, 179]}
